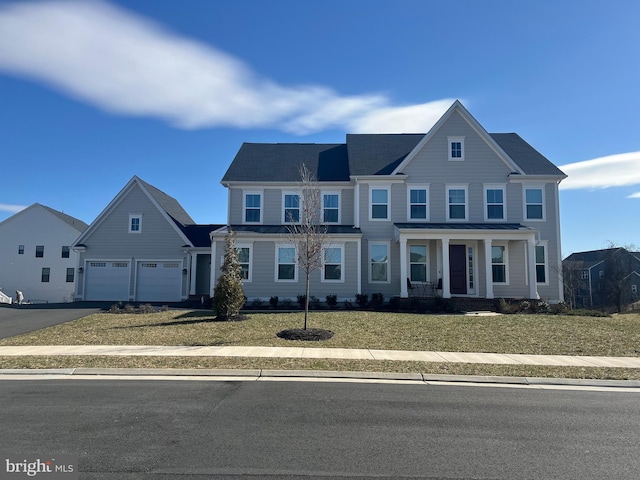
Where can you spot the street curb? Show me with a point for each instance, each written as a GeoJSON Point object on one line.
{"type": "Point", "coordinates": [320, 374]}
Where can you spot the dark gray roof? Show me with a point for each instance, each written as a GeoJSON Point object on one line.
{"type": "Point", "coordinates": [462, 226]}
{"type": "Point", "coordinates": [280, 162]}
{"type": "Point", "coordinates": [168, 204]}
{"type": "Point", "coordinates": [528, 158]}
{"type": "Point", "coordinates": [198, 235]}
{"type": "Point", "coordinates": [283, 229]}
{"type": "Point", "coordinates": [79, 225]}
{"type": "Point", "coordinates": [592, 257]}
{"type": "Point", "coordinates": [362, 154]}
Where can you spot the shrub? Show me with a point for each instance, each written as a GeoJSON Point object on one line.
{"type": "Point", "coordinates": [362, 300]}
{"type": "Point", "coordinates": [348, 305]}
{"type": "Point", "coordinates": [302, 301]}
{"type": "Point", "coordinates": [286, 302]}
{"type": "Point", "coordinates": [273, 301]}
{"type": "Point", "coordinates": [332, 300]}
{"type": "Point", "coordinates": [314, 303]}
{"type": "Point", "coordinates": [228, 295]}
{"type": "Point", "coordinates": [377, 299]}
{"type": "Point", "coordinates": [394, 304]}
{"type": "Point", "coordinates": [257, 302]}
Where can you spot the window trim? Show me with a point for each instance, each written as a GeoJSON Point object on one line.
{"type": "Point", "coordinates": [505, 263]}
{"type": "Point", "coordinates": [464, 187]}
{"type": "Point", "coordinates": [525, 204]}
{"type": "Point", "coordinates": [45, 276]}
{"type": "Point", "coordinates": [424, 187]}
{"type": "Point", "coordinates": [285, 220]}
{"type": "Point", "coordinates": [332, 192]}
{"type": "Point", "coordinates": [277, 264]}
{"type": "Point", "coordinates": [486, 189]}
{"type": "Point", "coordinates": [450, 142]}
{"type": "Point", "coordinates": [339, 246]}
{"type": "Point", "coordinates": [250, 267]}
{"type": "Point", "coordinates": [542, 244]}
{"type": "Point", "coordinates": [388, 262]}
{"type": "Point", "coordinates": [426, 262]}
{"type": "Point", "coordinates": [133, 217]}
{"type": "Point", "coordinates": [388, 204]}
{"type": "Point", "coordinates": [71, 273]}
{"type": "Point", "coordinates": [260, 194]}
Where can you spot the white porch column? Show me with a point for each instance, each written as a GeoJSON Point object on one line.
{"type": "Point", "coordinates": [359, 265]}
{"type": "Point", "coordinates": [446, 283]}
{"type": "Point", "coordinates": [403, 267]}
{"type": "Point", "coordinates": [214, 270]}
{"type": "Point", "coordinates": [531, 266]}
{"type": "Point", "coordinates": [193, 267]}
{"type": "Point", "coordinates": [488, 269]}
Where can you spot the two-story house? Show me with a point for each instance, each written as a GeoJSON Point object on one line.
{"type": "Point", "coordinates": [457, 209]}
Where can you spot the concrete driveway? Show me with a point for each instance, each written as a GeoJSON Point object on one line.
{"type": "Point", "coordinates": [15, 320]}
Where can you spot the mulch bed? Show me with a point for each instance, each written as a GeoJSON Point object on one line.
{"type": "Point", "coordinates": [309, 335]}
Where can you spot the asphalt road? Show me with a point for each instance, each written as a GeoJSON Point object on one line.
{"type": "Point", "coordinates": [231, 430]}
{"type": "Point", "coordinates": [16, 320]}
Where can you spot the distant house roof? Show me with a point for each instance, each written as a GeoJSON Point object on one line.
{"type": "Point", "coordinates": [79, 225]}
{"type": "Point", "coordinates": [362, 154]}
{"type": "Point", "coordinates": [592, 257]}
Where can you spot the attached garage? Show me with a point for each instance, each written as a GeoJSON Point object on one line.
{"type": "Point", "coordinates": [106, 281]}
{"type": "Point", "coordinates": [159, 281]}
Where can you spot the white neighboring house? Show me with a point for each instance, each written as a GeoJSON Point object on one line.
{"type": "Point", "coordinates": [36, 256]}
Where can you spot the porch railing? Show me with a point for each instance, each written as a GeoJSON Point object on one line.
{"type": "Point", "coordinates": [5, 299]}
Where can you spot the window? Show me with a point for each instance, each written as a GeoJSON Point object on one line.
{"type": "Point", "coordinates": [418, 208]}
{"type": "Point", "coordinates": [456, 148]}
{"type": "Point", "coordinates": [135, 223]}
{"type": "Point", "coordinates": [70, 275]}
{"type": "Point", "coordinates": [331, 207]}
{"type": "Point", "coordinates": [244, 258]}
{"type": "Point", "coordinates": [380, 203]}
{"type": "Point", "coordinates": [418, 263]}
{"type": "Point", "coordinates": [20, 249]}
{"type": "Point", "coordinates": [65, 252]}
{"type": "Point", "coordinates": [286, 263]}
{"type": "Point", "coordinates": [46, 272]}
{"type": "Point", "coordinates": [534, 204]}
{"type": "Point", "coordinates": [291, 212]}
{"type": "Point", "coordinates": [601, 274]}
{"type": "Point", "coordinates": [457, 203]}
{"type": "Point", "coordinates": [494, 201]}
{"type": "Point", "coordinates": [541, 264]}
{"type": "Point", "coordinates": [252, 208]}
{"type": "Point", "coordinates": [39, 251]}
{"type": "Point", "coordinates": [332, 267]}
{"type": "Point", "coordinates": [499, 263]}
{"type": "Point", "coordinates": [379, 261]}
{"type": "Point", "coordinates": [584, 275]}
{"type": "Point", "coordinates": [634, 288]}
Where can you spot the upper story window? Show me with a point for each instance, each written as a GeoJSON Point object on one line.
{"type": "Point", "coordinates": [39, 251]}
{"type": "Point", "coordinates": [634, 288]}
{"type": "Point", "coordinates": [285, 263]}
{"type": "Point", "coordinates": [457, 202]}
{"type": "Point", "coordinates": [244, 258]}
{"type": "Point", "coordinates": [380, 203]}
{"type": "Point", "coordinates": [418, 203]}
{"type": "Point", "coordinates": [291, 213]}
{"type": "Point", "coordinates": [584, 274]}
{"type": "Point", "coordinates": [331, 207]}
{"type": "Point", "coordinates": [65, 252]}
{"type": "Point", "coordinates": [252, 208]}
{"type": "Point", "coordinates": [456, 148]}
{"type": "Point", "coordinates": [379, 262]}
{"type": "Point", "coordinates": [534, 203]}
{"type": "Point", "coordinates": [135, 223]}
{"type": "Point", "coordinates": [333, 264]}
{"type": "Point", "coordinates": [494, 202]}
{"type": "Point", "coordinates": [20, 249]}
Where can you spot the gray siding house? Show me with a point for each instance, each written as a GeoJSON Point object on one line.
{"type": "Point", "coordinates": [455, 212]}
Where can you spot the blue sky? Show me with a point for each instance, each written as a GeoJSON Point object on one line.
{"type": "Point", "coordinates": [93, 93]}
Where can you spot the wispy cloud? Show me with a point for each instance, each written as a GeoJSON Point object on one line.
{"type": "Point", "coordinates": [125, 64]}
{"type": "Point", "coordinates": [5, 207]}
{"type": "Point", "coordinates": [605, 172]}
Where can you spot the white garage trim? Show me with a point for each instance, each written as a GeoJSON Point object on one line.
{"type": "Point", "coordinates": [159, 280]}
{"type": "Point", "coordinates": [107, 280]}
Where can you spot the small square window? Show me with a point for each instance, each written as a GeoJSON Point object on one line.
{"type": "Point", "coordinates": [65, 252]}
{"type": "Point", "coordinates": [20, 249]}
{"type": "Point", "coordinates": [456, 148]}
{"type": "Point", "coordinates": [135, 223]}
{"type": "Point", "coordinates": [39, 251]}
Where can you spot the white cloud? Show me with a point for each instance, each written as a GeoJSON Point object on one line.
{"type": "Point", "coordinates": [6, 207]}
{"type": "Point", "coordinates": [634, 195]}
{"type": "Point", "coordinates": [125, 64]}
{"type": "Point", "coordinates": [605, 172]}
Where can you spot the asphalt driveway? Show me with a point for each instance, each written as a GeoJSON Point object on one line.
{"type": "Point", "coordinates": [18, 319]}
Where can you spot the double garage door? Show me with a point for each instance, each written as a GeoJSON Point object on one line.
{"type": "Point", "coordinates": [155, 281]}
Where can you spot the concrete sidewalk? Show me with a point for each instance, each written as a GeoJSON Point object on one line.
{"type": "Point", "coordinates": [317, 353]}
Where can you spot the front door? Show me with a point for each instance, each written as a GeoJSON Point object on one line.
{"type": "Point", "coordinates": [458, 269]}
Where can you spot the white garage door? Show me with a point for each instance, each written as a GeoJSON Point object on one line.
{"type": "Point", "coordinates": [107, 281]}
{"type": "Point", "coordinates": [159, 282]}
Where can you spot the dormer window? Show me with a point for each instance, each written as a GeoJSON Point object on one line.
{"type": "Point", "coordinates": [456, 149]}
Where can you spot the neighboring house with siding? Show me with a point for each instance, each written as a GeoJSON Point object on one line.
{"type": "Point", "coordinates": [457, 210]}
{"type": "Point", "coordinates": [36, 256]}
{"type": "Point", "coordinates": [143, 247]}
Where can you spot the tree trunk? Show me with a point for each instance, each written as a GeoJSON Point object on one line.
{"type": "Point", "coordinates": [306, 303]}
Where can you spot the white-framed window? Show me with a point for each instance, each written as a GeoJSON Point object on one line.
{"type": "Point", "coordinates": [245, 258]}
{"type": "Point", "coordinates": [70, 275]}
{"type": "Point", "coordinates": [456, 148]}
{"type": "Point", "coordinates": [418, 206]}
{"type": "Point", "coordinates": [46, 273]}
{"type": "Point", "coordinates": [286, 270]}
{"type": "Point", "coordinates": [457, 203]}
{"type": "Point", "coordinates": [542, 267]}
{"type": "Point", "coordinates": [379, 262]}
{"type": "Point", "coordinates": [534, 208]}
{"type": "Point", "coordinates": [584, 275]}
{"type": "Point", "coordinates": [252, 207]}
{"type": "Point", "coordinates": [379, 199]}
{"type": "Point", "coordinates": [418, 263]}
{"type": "Point", "coordinates": [499, 264]}
{"type": "Point", "coordinates": [291, 207]}
{"type": "Point", "coordinates": [634, 288]}
{"type": "Point", "coordinates": [331, 207]}
{"type": "Point", "coordinates": [494, 198]}
{"type": "Point", "coordinates": [135, 223]}
{"type": "Point", "coordinates": [333, 263]}
{"type": "Point", "coordinates": [65, 252]}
